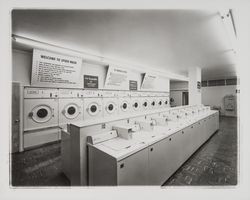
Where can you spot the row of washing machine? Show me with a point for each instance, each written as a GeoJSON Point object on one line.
{"type": "Point", "coordinates": [52, 108]}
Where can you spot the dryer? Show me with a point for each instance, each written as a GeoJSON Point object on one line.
{"type": "Point", "coordinates": [70, 106]}
{"type": "Point", "coordinates": [124, 102]}
{"type": "Point", "coordinates": [110, 103]}
{"type": "Point", "coordinates": [40, 116]}
{"type": "Point", "coordinates": [92, 104]}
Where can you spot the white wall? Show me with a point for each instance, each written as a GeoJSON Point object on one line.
{"type": "Point", "coordinates": [22, 67]}
{"type": "Point", "coordinates": [194, 96]}
{"type": "Point", "coordinates": [178, 85]}
{"type": "Point", "coordinates": [214, 96]}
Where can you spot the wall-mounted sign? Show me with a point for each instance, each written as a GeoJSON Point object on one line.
{"type": "Point", "coordinates": [117, 78]}
{"type": "Point", "coordinates": [148, 82]}
{"type": "Point", "coordinates": [50, 69]}
{"type": "Point", "coordinates": [90, 81]}
{"type": "Point", "coordinates": [198, 85]}
{"type": "Point", "coordinates": [132, 85]}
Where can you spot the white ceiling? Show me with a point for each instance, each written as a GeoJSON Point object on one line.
{"type": "Point", "coordinates": [173, 40]}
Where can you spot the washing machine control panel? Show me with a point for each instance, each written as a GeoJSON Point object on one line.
{"type": "Point", "coordinates": [40, 93]}
{"type": "Point", "coordinates": [70, 93]}
{"type": "Point", "coordinates": [92, 93]}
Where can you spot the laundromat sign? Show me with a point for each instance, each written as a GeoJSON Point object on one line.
{"type": "Point", "coordinates": [50, 69]}
{"type": "Point", "coordinates": [117, 78]}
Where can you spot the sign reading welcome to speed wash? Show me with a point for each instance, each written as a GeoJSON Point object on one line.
{"type": "Point", "coordinates": [50, 69]}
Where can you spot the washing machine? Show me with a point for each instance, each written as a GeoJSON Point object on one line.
{"type": "Point", "coordinates": [40, 108]}
{"type": "Point", "coordinates": [145, 101]}
{"type": "Point", "coordinates": [135, 101]}
{"type": "Point", "coordinates": [40, 116]}
{"type": "Point", "coordinates": [70, 106]}
{"type": "Point", "coordinates": [92, 104]}
{"type": "Point", "coordinates": [110, 103]}
{"type": "Point", "coordinates": [124, 102]}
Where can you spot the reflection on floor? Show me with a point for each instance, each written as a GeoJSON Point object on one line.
{"type": "Point", "coordinates": [215, 163]}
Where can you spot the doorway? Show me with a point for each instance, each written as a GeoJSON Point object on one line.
{"type": "Point", "coordinates": [184, 98]}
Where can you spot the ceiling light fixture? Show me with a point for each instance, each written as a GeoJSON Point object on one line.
{"type": "Point", "coordinates": [227, 20]}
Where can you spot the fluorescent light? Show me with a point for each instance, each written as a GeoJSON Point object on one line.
{"type": "Point", "coordinates": [55, 48]}
{"type": "Point", "coordinates": [227, 20]}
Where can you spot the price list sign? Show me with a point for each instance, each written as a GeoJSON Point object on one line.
{"type": "Point", "coordinates": [50, 69]}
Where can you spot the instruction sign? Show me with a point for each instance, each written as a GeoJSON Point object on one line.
{"type": "Point", "coordinates": [50, 69]}
{"type": "Point", "coordinates": [117, 78]}
{"type": "Point", "coordinates": [132, 85]}
{"type": "Point", "coordinates": [148, 82]}
{"type": "Point", "coordinates": [90, 81]}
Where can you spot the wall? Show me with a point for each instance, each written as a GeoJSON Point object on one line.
{"type": "Point", "coordinates": [214, 96]}
{"type": "Point", "coordinates": [194, 96]}
{"type": "Point", "coordinates": [22, 66]}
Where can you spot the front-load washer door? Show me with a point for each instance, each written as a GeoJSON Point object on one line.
{"type": "Point", "coordinates": [136, 105]}
{"type": "Point", "coordinates": [160, 103]}
{"type": "Point", "coordinates": [71, 111]}
{"type": "Point", "coordinates": [40, 113]}
{"type": "Point", "coordinates": [145, 104]}
{"type": "Point", "coordinates": [93, 109]}
{"type": "Point", "coordinates": [110, 108]}
{"type": "Point", "coordinates": [124, 106]}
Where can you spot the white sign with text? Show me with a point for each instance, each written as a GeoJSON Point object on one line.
{"type": "Point", "coordinates": [117, 78]}
{"type": "Point", "coordinates": [51, 69]}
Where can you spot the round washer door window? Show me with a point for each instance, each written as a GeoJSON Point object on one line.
{"type": "Point", "coordinates": [124, 106]}
{"type": "Point", "coordinates": [110, 107]}
{"type": "Point", "coordinates": [41, 114]}
{"type": "Point", "coordinates": [136, 105]}
{"type": "Point", "coordinates": [145, 104]}
{"type": "Point", "coordinates": [93, 109]}
{"type": "Point", "coordinates": [71, 111]}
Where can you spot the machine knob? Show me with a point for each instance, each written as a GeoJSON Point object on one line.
{"type": "Point", "coordinates": [31, 114]}
{"type": "Point", "coordinates": [170, 139]}
{"type": "Point", "coordinates": [151, 149]}
{"type": "Point", "coordinates": [122, 165]}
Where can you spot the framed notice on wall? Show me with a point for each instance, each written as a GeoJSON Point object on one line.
{"type": "Point", "coordinates": [90, 81]}
{"type": "Point", "coordinates": [117, 78]}
{"type": "Point", "coordinates": [148, 82]}
{"type": "Point", "coordinates": [55, 70]}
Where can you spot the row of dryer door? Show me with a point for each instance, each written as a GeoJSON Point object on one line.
{"type": "Point", "coordinates": [45, 107]}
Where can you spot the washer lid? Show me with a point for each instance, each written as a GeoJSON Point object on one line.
{"type": "Point", "coordinates": [118, 144]}
{"type": "Point", "coordinates": [41, 113]}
